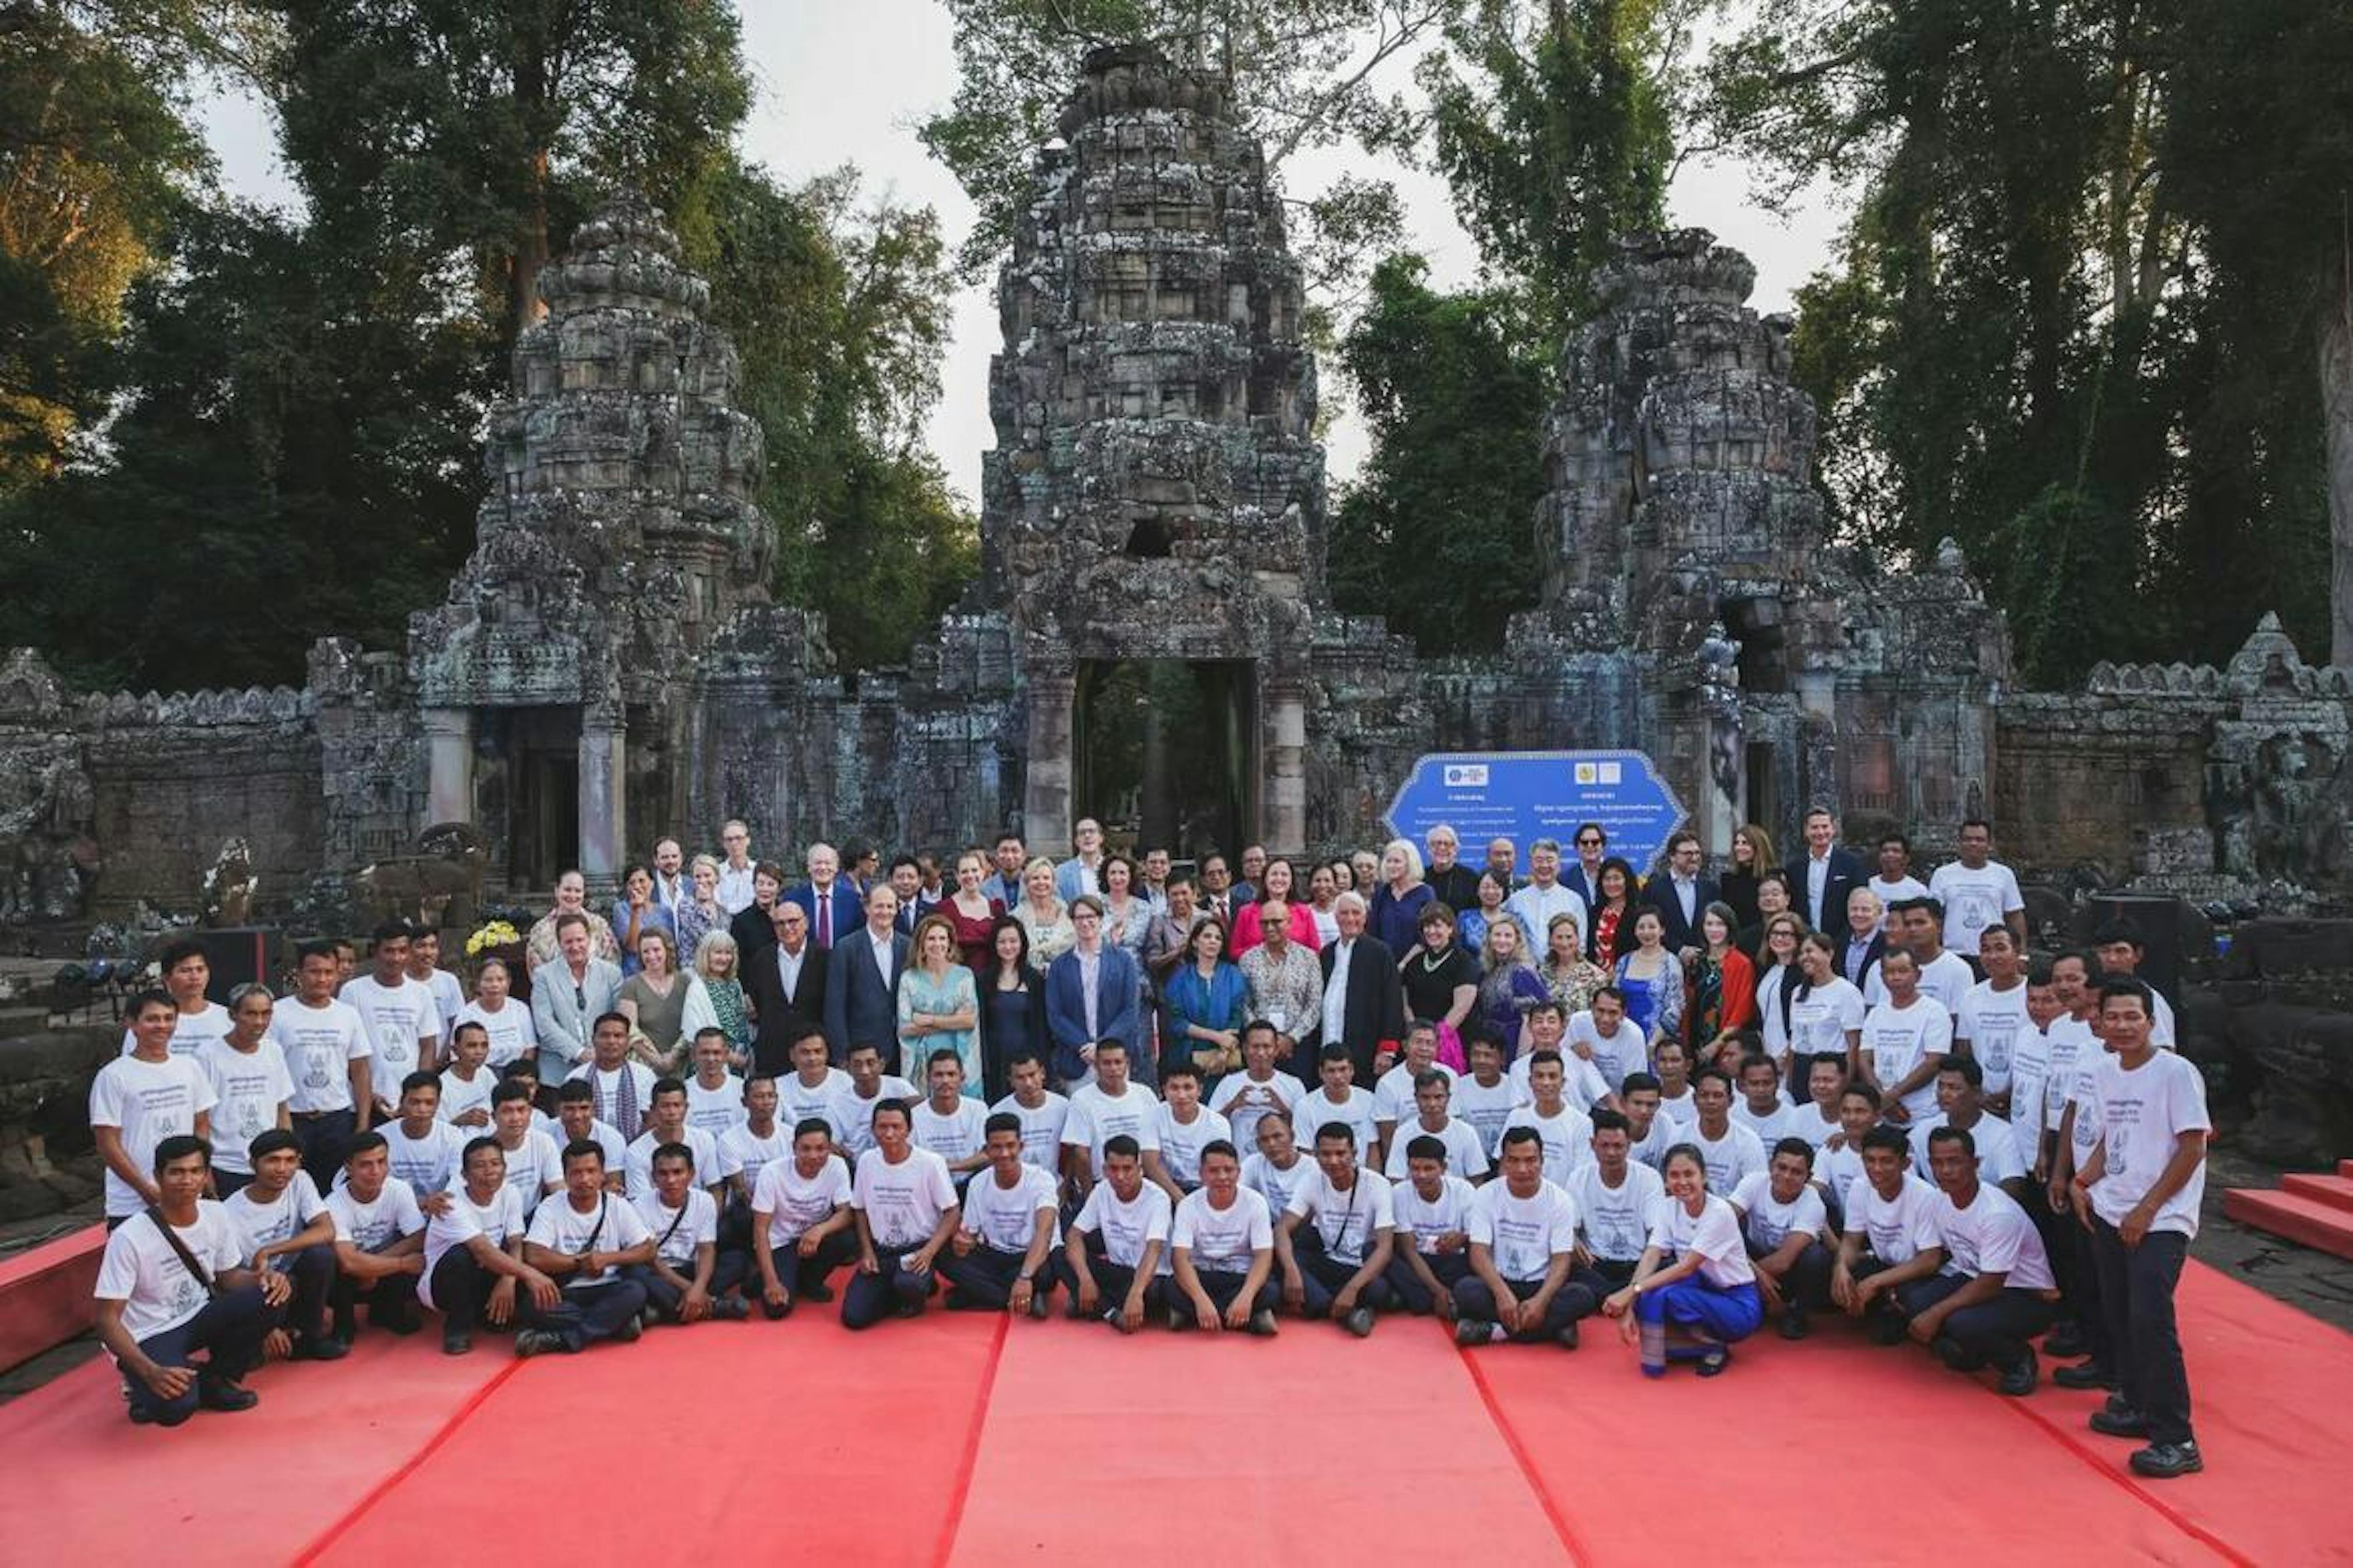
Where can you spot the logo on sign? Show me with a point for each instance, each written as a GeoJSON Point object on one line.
{"type": "Point", "coordinates": [1466, 775]}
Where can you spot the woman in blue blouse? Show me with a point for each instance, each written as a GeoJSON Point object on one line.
{"type": "Point", "coordinates": [1207, 1004]}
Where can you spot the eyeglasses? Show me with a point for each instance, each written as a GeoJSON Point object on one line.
{"type": "Point", "coordinates": [1589, 843]}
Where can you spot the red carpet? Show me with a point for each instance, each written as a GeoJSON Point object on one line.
{"type": "Point", "coordinates": [975, 1441]}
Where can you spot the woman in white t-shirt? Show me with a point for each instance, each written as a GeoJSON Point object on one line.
{"type": "Point", "coordinates": [1822, 1014]}
{"type": "Point", "coordinates": [506, 1021]}
{"type": "Point", "coordinates": [1693, 1294]}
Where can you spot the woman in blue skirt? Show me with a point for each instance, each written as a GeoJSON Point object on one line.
{"type": "Point", "coordinates": [1693, 1294]}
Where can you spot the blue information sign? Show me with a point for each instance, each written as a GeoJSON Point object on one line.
{"type": "Point", "coordinates": [1526, 795]}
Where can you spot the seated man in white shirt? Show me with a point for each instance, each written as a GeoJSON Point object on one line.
{"type": "Point", "coordinates": [1784, 1223]}
{"type": "Point", "coordinates": [1336, 1098]}
{"type": "Point", "coordinates": [1761, 1107]}
{"type": "Point", "coordinates": [1111, 1257]}
{"type": "Point", "coordinates": [1221, 1249]}
{"type": "Point", "coordinates": [1433, 1094]}
{"type": "Point", "coordinates": [170, 1285]}
{"type": "Point", "coordinates": [948, 1122]}
{"type": "Point", "coordinates": [1335, 1239]}
{"type": "Point", "coordinates": [591, 1244]}
{"type": "Point", "coordinates": [1277, 1166]}
{"type": "Point", "coordinates": [800, 1220]}
{"type": "Point", "coordinates": [1001, 1257]}
{"type": "Point", "coordinates": [283, 1228]}
{"type": "Point", "coordinates": [466, 1082]}
{"type": "Point", "coordinates": [1995, 1292]}
{"type": "Point", "coordinates": [688, 1279]}
{"type": "Point", "coordinates": [1960, 1105]}
{"type": "Point", "coordinates": [904, 1202]}
{"type": "Point", "coordinates": [576, 1119]}
{"type": "Point", "coordinates": [1241, 1098]}
{"type": "Point", "coordinates": [1522, 1246]}
{"type": "Point", "coordinates": [1185, 1127]}
{"type": "Point", "coordinates": [379, 1243]}
{"type": "Point", "coordinates": [1431, 1211]}
{"type": "Point", "coordinates": [1618, 1198]}
{"type": "Point", "coordinates": [1891, 1237]}
{"type": "Point", "coordinates": [666, 1123]}
{"type": "Point", "coordinates": [1393, 1095]}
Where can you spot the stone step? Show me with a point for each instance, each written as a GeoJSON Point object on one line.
{"type": "Point", "coordinates": [44, 1294]}
{"type": "Point", "coordinates": [2303, 1220]}
{"type": "Point", "coordinates": [2336, 1191]}
{"type": "Point", "coordinates": [2345, 1169]}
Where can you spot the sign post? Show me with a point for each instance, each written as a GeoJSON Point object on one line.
{"type": "Point", "coordinates": [1526, 795]}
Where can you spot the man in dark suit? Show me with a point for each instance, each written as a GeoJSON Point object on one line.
{"type": "Point", "coordinates": [862, 981]}
{"type": "Point", "coordinates": [834, 906]}
{"type": "Point", "coordinates": [1681, 894]}
{"type": "Point", "coordinates": [1364, 1001]}
{"type": "Point", "coordinates": [1582, 876]}
{"type": "Point", "coordinates": [1824, 881]}
{"type": "Point", "coordinates": [785, 980]}
{"type": "Point", "coordinates": [1451, 882]}
{"type": "Point", "coordinates": [1863, 942]}
{"type": "Point", "coordinates": [754, 925]}
{"type": "Point", "coordinates": [1117, 1013]}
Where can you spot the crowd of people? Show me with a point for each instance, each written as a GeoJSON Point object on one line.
{"type": "Point", "coordinates": [1379, 1084]}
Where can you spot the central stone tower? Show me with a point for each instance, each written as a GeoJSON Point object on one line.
{"type": "Point", "coordinates": [1153, 515]}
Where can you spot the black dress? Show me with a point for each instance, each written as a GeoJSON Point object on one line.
{"type": "Point", "coordinates": [1430, 992]}
{"type": "Point", "coordinates": [1012, 1022]}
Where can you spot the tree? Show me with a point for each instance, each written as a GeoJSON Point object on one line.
{"type": "Point", "coordinates": [1435, 534]}
{"type": "Point", "coordinates": [1557, 141]}
{"type": "Point", "coordinates": [1301, 73]}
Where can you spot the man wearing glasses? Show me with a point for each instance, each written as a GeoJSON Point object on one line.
{"type": "Point", "coordinates": [1584, 877]}
{"type": "Point", "coordinates": [735, 871]}
{"type": "Point", "coordinates": [1092, 994]}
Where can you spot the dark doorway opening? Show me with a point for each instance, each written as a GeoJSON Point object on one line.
{"type": "Point", "coordinates": [1764, 789]}
{"type": "Point", "coordinates": [1164, 752]}
{"type": "Point", "coordinates": [543, 754]}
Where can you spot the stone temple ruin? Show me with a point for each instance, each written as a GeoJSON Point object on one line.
{"type": "Point", "coordinates": [1150, 639]}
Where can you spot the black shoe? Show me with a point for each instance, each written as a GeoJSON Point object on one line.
{"type": "Point", "coordinates": [456, 1344]}
{"type": "Point", "coordinates": [1469, 1331]}
{"type": "Point", "coordinates": [1261, 1323]}
{"type": "Point", "coordinates": [1568, 1336]}
{"type": "Point", "coordinates": [1712, 1363]}
{"type": "Point", "coordinates": [629, 1332]}
{"type": "Point", "coordinates": [401, 1323]}
{"type": "Point", "coordinates": [2088, 1374]}
{"type": "Point", "coordinates": [1178, 1320]}
{"type": "Point", "coordinates": [221, 1393]}
{"type": "Point", "coordinates": [776, 1313]}
{"type": "Point", "coordinates": [1359, 1323]}
{"type": "Point", "coordinates": [732, 1309]}
{"type": "Point", "coordinates": [2126, 1423]}
{"type": "Point", "coordinates": [1954, 1355]}
{"type": "Point", "coordinates": [529, 1342]}
{"type": "Point", "coordinates": [321, 1347]}
{"type": "Point", "coordinates": [2065, 1342]}
{"type": "Point", "coordinates": [820, 1291]}
{"type": "Point", "coordinates": [2163, 1461]}
{"type": "Point", "coordinates": [2018, 1381]}
{"type": "Point", "coordinates": [1042, 1305]}
{"type": "Point", "coordinates": [1886, 1329]}
{"type": "Point", "coordinates": [1794, 1325]}
{"type": "Point", "coordinates": [911, 1308]}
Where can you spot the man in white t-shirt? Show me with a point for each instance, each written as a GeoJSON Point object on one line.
{"type": "Point", "coordinates": [814, 1084]}
{"type": "Point", "coordinates": [186, 972]}
{"type": "Point", "coordinates": [2118, 947]}
{"type": "Point", "coordinates": [1111, 1257]}
{"type": "Point", "coordinates": [1960, 1104]}
{"type": "Point", "coordinates": [1761, 1107]}
{"type": "Point", "coordinates": [402, 1022]}
{"type": "Point", "coordinates": [1222, 1252]}
{"type": "Point", "coordinates": [801, 1227]}
{"type": "Point", "coordinates": [1430, 1253]}
{"type": "Point", "coordinates": [1603, 1038]}
{"type": "Point", "coordinates": [1785, 1225]}
{"type": "Point", "coordinates": [474, 1267]}
{"type": "Point", "coordinates": [1944, 976]}
{"type": "Point", "coordinates": [746, 1150]}
{"type": "Point", "coordinates": [1893, 880]}
{"type": "Point", "coordinates": [427, 1151]}
{"type": "Point", "coordinates": [1484, 1097]}
{"type": "Point", "coordinates": [138, 1100]}
{"type": "Point", "coordinates": [1839, 1165]}
{"type": "Point", "coordinates": [1977, 890]}
{"type": "Point", "coordinates": [1042, 1112]}
{"type": "Point", "coordinates": [1241, 1098]}
{"type": "Point", "coordinates": [1905, 1039]}
{"type": "Point", "coordinates": [1994, 1293]}
{"type": "Point", "coordinates": [623, 1089]}
{"type": "Point", "coordinates": [2140, 1191]}
{"type": "Point", "coordinates": [1678, 1100]}
{"type": "Point", "coordinates": [714, 1096]}
{"type": "Point", "coordinates": [1522, 1245]}
{"type": "Point", "coordinates": [1393, 1090]}
{"type": "Point", "coordinates": [1336, 1098]}
{"type": "Point", "coordinates": [666, 1123]}
{"type": "Point", "coordinates": [1111, 1107]}
{"type": "Point", "coordinates": [167, 1291]}
{"type": "Point", "coordinates": [379, 1244]}
{"type": "Point", "coordinates": [1891, 1237]}
{"type": "Point", "coordinates": [949, 1122]}
{"type": "Point", "coordinates": [467, 1081]}
{"type": "Point", "coordinates": [283, 1228]}
{"type": "Point", "coordinates": [1731, 1152]}
{"type": "Point", "coordinates": [1618, 1198]}
{"type": "Point", "coordinates": [250, 1086]}
{"type": "Point", "coordinates": [1566, 1131]}
{"type": "Point", "coordinates": [1277, 1166]}
{"type": "Point", "coordinates": [1433, 1095]}
{"type": "Point", "coordinates": [592, 1243]}
{"type": "Point", "coordinates": [1002, 1256]}
{"type": "Point", "coordinates": [535, 1166]}
{"type": "Point", "coordinates": [904, 1204]}
{"type": "Point", "coordinates": [1652, 1131]}
{"type": "Point", "coordinates": [1333, 1240]}
{"type": "Point", "coordinates": [688, 1277]}
{"type": "Point", "coordinates": [1184, 1127]}
{"type": "Point", "coordinates": [327, 1052]}
{"type": "Point", "coordinates": [449, 995]}
{"type": "Point", "coordinates": [1993, 1015]}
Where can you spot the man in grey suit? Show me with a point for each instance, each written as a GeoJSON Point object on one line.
{"type": "Point", "coordinates": [862, 981]}
{"type": "Point", "coordinates": [568, 993]}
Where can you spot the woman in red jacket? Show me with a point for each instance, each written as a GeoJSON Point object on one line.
{"type": "Point", "coordinates": [1723, 989]}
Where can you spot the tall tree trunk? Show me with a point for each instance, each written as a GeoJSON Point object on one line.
{"type": "Point", "coordinates": [2337, 413]}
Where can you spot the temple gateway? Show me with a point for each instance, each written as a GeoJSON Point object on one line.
{"type": "Point", "coordinates": [1150, 639]}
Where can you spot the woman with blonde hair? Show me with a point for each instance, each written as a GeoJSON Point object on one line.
{"type": "Point", "coordinates": [699, 912]}
{"type": "Point", "coordinates": [1511, 987]}
{"type": "Point", "coordinates": [664, 1007]}
{"type": "Point", "coordinates": [939, 1005]}
{"type": "Point", "coordinates": [1043, 915]}
{"type": "Point", "coordinates": [716, 964]}
{"type": "Point", "coordinates": [1395, 913]}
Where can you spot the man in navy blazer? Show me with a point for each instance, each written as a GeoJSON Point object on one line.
{"type": "Point", "coordinates": [1824, 878]}
{"type": "Point", "coordinates": [828, 895]}
{"type": "Point", "coordinates": [1107, 972]}
{"type": "Point", "coordinates": [861, 980]}
{"type": "Point", "coordinates": [1681, 894]}
{"type": "Point", "coordinates": [1582, 876]}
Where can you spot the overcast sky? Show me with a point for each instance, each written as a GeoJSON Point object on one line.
{"type": "Point", "coordinates": [846, 82]}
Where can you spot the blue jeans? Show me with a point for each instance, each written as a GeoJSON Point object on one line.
{"type": "Point", "coordinates": [870, 1297]}
{"type": "Point", "coordinates": [1993, 1332]}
